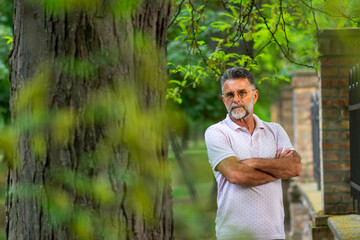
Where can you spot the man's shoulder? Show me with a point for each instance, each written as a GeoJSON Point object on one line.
{"type": "Point", "coordinates": [217, 127]}
{"type": "Point", "coordinates": [266, 124]}
{"type": "Point", "coordinates": [273, 127]}
{"type": "Point", "coordinates": [271, 124]}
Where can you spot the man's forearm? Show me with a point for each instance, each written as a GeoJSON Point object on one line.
{"type": "Point", "coordinates": [241, 174]}
{"type": "Point", "coordinates": [250, 177]}
{"type": "Point", "coordinates": [283, 168]}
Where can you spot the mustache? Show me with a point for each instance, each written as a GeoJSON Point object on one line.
{"type": "Point", "coordinates": [234, 105]}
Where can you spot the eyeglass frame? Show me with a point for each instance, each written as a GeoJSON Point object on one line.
{"type": "Point", "coordinates": [241, 93]}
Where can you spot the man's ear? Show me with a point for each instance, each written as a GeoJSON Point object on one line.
{"type": "Point", "coordinates": [256, 95]}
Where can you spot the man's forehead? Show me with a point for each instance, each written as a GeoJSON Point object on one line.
{"type": "Point", "coordinates": [238, 83]}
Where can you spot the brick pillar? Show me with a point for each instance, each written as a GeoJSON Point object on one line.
{"type": "Point", "coordinates": [282, 111]}
{"type": "Point", "coordinates": [304, 83]}
{"type": "Point", "coordinates": [339, 50]}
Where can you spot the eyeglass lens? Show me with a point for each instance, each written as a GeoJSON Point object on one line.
{"type": "Point", "coordinates": [240, 93]}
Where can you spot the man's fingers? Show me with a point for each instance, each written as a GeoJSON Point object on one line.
{"type": "Point", "coordinates": [285, 152]}
{"type": "Point", "coordinates": [290, 154]}
{"type": "Point", "coordinates": [278, 153]}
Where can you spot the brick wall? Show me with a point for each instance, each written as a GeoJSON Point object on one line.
{"type": "Point", "coordinates": [304, 83]}
{"type": "Point", "coordinates": [339, 50]}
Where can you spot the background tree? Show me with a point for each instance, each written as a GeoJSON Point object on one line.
{"type": "Point", "coordinates": [86, 148]}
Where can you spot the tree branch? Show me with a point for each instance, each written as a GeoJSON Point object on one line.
{"type": "Point", "coordinates": [282, 17]}
{"type": "Point", "coordinates": [177, 14]}
{"type": "Point", "coordinates": [195, 39]}
{"type": "Point", "coordinates": [270, 40]}
{"type": "Point", "coordinates": [225, 6]}
{"type": "Point", "coordinates": [240, 30]}
{"type": "Point", "coordinates": [277, 42]}
{"type": "Point", "coordinates": [326, 13]}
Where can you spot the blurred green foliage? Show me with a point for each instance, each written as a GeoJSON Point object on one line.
{"type": "Point", "coordinates": [193, 220]}
{"type": "Point", "coordinates": [6, 12]}
{"type": "Point", "coordinates": [116, 111]}
{"type": "Point", "coordinates": [122, 167]}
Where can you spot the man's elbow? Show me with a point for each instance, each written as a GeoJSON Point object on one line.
{"type": "Point", "coordinates": [233, 177]}
{"type": "Point", "coordinates": [298, 170]}
{"type": "Point", "coordinates": [294, 171]}
{"type": "Point", "coordinates": [298, 165]}
{"type": "Point", "coordinates": [238, 179]}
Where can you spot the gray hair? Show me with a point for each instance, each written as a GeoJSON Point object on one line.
{"type": "Point", "coordinates": [236, 73]}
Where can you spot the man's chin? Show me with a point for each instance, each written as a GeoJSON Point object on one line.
{"type": "Point", "coordinates": [238, 116]}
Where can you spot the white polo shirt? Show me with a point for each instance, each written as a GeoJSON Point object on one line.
{"type": "Point", "coordinates": [258, 209]}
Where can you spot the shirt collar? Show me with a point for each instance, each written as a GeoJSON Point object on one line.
{"type": "Point", "coordinates": [234, 126]}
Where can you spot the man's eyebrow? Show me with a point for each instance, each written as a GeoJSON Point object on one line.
{"type": "Point", "coordinates": [243, 89]}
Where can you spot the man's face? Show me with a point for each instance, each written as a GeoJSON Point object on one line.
{"type": "Point", "coordinates": [239, 97]}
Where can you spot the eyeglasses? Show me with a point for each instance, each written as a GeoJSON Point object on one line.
{"type": "Point", "coordinates": [241, 93]}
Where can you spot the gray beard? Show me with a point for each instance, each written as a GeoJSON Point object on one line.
{"type": "Point", "coordinates": [240, 113]}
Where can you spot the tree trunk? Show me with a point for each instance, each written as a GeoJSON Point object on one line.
{"type": "Point", "coordinates": [106, 177]}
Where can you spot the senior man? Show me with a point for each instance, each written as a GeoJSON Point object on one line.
{"type": "Point", "coordinates": [249, 157]}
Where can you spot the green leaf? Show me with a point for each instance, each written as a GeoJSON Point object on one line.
{"type": "Point", "coordinates": [234, 10]}
{"type": "Point", "coordinates": [175, 81]}
{"type": "Point", "coordinates": [179, 100]}
{"type": "Point", "coordinates": [9, 40]}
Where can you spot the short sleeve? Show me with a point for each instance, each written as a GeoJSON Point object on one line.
{"type": "Point", "coordinates": [218, 146]}
{"type": "Point", "coordinates": [283, 140]}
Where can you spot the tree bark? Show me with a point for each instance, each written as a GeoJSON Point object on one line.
{"type": "Point", "coordinates": [47, 196]}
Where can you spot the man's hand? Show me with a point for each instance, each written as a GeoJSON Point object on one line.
{"type": "Point", "coordinates": [286, 153]}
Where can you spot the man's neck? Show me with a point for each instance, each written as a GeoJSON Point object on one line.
{"type": "Point", "coordinates": [247, 122]}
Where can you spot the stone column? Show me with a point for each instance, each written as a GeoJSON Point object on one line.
{"type": "Point", "coordinates": [339, 50]}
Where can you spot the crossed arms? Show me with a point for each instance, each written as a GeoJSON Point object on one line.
{"type": "Point", "coordinates": [257, 171]}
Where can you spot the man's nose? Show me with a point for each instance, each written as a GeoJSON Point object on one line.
{"type": "Point", "coordinates": [237, 97]}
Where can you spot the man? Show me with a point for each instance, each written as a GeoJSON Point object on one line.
{"type": "Point", "coordinates": [249, 157]}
